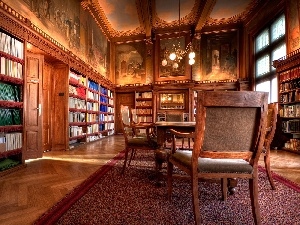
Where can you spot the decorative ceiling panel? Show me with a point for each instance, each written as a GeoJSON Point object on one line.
{"type": "Point", "coordinates": [138, 17]}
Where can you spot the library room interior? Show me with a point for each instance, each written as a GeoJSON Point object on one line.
{"type": "Point", "coordinates": [149, 112]}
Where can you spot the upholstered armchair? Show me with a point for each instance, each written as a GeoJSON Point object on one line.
{"type": "Point", "coordinates": [133, 140]}
{"type": "Point", "coordinates": [229, 138]}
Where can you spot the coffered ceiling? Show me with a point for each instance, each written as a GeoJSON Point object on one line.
{"type": "Point", "coordinates": [139, 18]}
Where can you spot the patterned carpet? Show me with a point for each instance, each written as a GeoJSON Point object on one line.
{"type": "Point", "coordinates": [107, 197]}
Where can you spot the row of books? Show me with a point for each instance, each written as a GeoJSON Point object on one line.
{"type": "Point", "coordinates": [11, 45]}
{"type": "Point", "coordinates": [77, 103]}
{"type": "Point", "coordinates": [290, 97]}
{"type": "Point", "coordinates": [77, 78]}
{"type": "Point", "coordinates": [293, 144]}
{"type": "Point", "coordinates": [9, 92]}
{"type": "Point", "coordinates": [290, 111]}
{"type": "Point", "coordinates": [288, 86]}
{"type": "Point", "coordinates": [106, 108]}
{"type": "Point", "coordinates": [75, 131]}
{"type": "Point", "coordinates": [93, 106]}
{"type": "Point", "coordinates": [92, 128]}
{"type": "Point", "coordinates": [10, 141]}
{"type": "Point", "coordinates": [11, 68]}
{"type": "Point", "coordinates": [144, 103]}
{"type": "Point", "coordinates": [290, 74]}
{"type": "Point", "coordinates": [143, 111]}
{"type": "Point", "coordinates": [291, 126]}
{"type": "Point", "coordinates": [93, 95]}
{"type": "Point", "coordinates": [10, 117]}
{"type": "Point", "coordinates": [106, 126]}
{"type": "Point", "coordinates": [93, 85]}
{"type": "Point", "coordinates": [79, 91]}
{"type": "Point", "coordinates": [104, 117]}
{"type": "Point", "coordinates": [91, 117]}
{"type": "Point", "coordinates": [143, 94]}
{"type": "Point", "coordinates": [144, 119]}
{"type": "Point", "coordinates": [76, 117]}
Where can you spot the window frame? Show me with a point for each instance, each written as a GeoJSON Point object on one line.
{"type": "Point", "coordinates": [267, 50]}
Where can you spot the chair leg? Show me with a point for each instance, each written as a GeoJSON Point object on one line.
{"type": "Point", "coordinates": [268, 169]}
{"type": "Point", "coordinates": [132, 156]}
{"type": "Point", "coordinates": [253, 186]}
{"type": "Point", "coordinates": [224, 188]}
{"type": "Point", "coordinates": [125, 160]}
{"type": "Point", "coordinates": [195, 196]}
{"type": "Point", "coordinates": [170, 168]}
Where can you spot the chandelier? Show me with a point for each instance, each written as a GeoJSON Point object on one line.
{"type": "Point", "coordinates": [176, 54]}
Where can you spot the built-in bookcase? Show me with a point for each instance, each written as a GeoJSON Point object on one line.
{"type": "Point", "coordinates": [11, 102]}
{"type": "Point", "coordinates": [288, 70]}
{"type": "Point", "coordinates": [106, 112]}
{"type": "Point", "coordinates": [77, 107]}
{"type": "Point", "coordinates": [91, 109]}
{"type": "Point", "coordinates": [143, 107]}
{"type": "Point", "coordinates": [92, 116]}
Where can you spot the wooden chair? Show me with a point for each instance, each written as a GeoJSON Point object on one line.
{"type": "Point", "coordinates": [271, 127]}
{"type": "Point", "coordinates": [134, 142]}
{"type": "Point", "coordinates": [178, 117]}
{"type": "Point", "coordinates": [229, 138]}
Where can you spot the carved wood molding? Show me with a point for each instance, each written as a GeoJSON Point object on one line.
{"type": "Point", "coordinates": [287, 62]}
{"type": "Point", "coordinates": [99, 16]}
{"type": "Point", "coordinates": [23, 28]}
{"type": "Point", "coordinates": [234, 19]}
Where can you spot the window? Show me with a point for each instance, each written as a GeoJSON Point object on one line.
{"type": "Point", "coordinates": [269, 46]}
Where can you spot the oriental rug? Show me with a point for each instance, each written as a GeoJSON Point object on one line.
{"type": "Point", "coordinates": [107, 197]}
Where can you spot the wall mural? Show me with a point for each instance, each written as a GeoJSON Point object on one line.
{"type": "Point", "coordinates": [130, 63]}
{"type": "Point", "coordinates": [69, 25]}
{"type": "Point", "coordinates": [220, 57]}
{"type": "Point", "coordinates": [293, 25]}
{"type": "Point", "coordinates": [166, 46]}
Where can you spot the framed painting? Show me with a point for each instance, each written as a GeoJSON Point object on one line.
{"type": "Point", "coordinates": [167, 69]}
{"type": "Point", "coordinates": [220, 56]}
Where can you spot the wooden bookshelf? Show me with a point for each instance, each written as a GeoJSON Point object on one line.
{"type": "Point", "coordinates": [11, 103]}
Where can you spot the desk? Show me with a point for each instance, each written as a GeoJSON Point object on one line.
{"type": "Point", "coordinates": [162, 127]}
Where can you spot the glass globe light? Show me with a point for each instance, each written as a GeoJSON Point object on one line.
{"type": "Point", "coordinates": [191, 61]}
{"type": "Point", "coordinates": [175, 65]}
{"type": "Point", "coordinates": [164, 62]}
{"type": "Point", "coordinates": [192, 55]}
{"type": "Point", "coordinates": [172, 56]}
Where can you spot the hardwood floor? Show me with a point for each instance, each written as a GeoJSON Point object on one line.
{"type": "Point", "coordinates": [28, 193]}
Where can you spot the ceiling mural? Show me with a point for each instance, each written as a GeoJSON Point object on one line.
{"type": "Point", "coordinates": [140, 17]}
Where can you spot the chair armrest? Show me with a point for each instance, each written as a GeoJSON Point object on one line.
{"type": "Point", "coordinates": [176, 134]}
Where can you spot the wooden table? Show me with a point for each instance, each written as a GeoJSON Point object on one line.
{"type": "Point", "coordinates": [163, 127]}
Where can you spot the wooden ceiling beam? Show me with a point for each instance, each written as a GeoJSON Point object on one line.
{"type": "Point", "coordinates": [144, 9]}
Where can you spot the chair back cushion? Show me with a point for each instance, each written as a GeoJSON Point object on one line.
{"type": "Point", "coordinates": [230, 124]}
{"type": "Point", "coordinates": [229, 129]}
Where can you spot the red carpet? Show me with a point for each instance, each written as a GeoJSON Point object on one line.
{"type": "Point", "coordinates": [106, 197]}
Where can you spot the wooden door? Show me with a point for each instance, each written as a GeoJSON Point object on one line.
{"type": "Point", "coordinates": [125, 99]}
{"type": "Point", "coordinates": [32, 147]}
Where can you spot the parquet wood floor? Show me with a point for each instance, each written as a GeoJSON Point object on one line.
{"type": "Point", "coordinates": [28, 193]}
